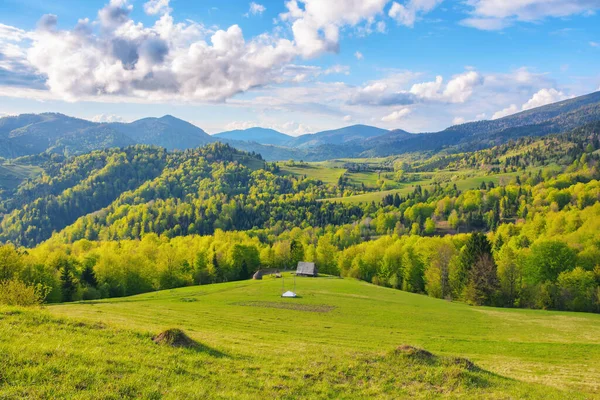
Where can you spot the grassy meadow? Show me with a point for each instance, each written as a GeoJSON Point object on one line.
{"type": "Point", "coordinates": [12, 174]}
{"type": "Point", "coordinates": [330, 171]}
{"type": "Point", "coordinates": [464, 179]}
{"type": "Point", "coordinates": [338, 340]}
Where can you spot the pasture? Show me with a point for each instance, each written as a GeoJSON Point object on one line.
{"type": "Point", "coordinates": [12, 174]}
{"type": "Point", "coordinates": [338, 340]}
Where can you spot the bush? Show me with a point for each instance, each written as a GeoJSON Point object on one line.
{"type": "Point", "coordinates": [17, 293]}
{"type": "Point", "coordinates": [90, 293]}
{"type": "Point", "coordinates": [578, 290]}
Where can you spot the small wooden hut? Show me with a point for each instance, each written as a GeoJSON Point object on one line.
{"type": "Point", "coordinates": [306, 269]}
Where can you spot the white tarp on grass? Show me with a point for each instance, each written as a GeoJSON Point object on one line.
{"type": "Point", "coordinates": [289, 294]}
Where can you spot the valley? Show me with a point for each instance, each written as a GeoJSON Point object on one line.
{"type": "Point", "coordinates": [466, 271]}
{"type": "Point", "coordinates": [300, 199]}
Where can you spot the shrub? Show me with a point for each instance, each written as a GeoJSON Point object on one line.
{"type": "Point", "coordinates": [578, 290]}
{"type": "Point", "coordinates": [17, 293]}
{"type": "Point", "coordinates": [90, 293]}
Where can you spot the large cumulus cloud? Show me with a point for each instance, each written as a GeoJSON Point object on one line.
{"type": "Point", "coordinates": [316, 24]}
{"type": "Point", "coordinates": [390, 91]}
{"type": "Point", "coordinates": [113, 56]}
{"type": "Point", "coordinates": [117, 56]}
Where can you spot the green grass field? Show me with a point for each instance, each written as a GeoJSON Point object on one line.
{"type": "Point", "coordinates": [336, 341]}
{"type": "Point", "coordinates": [11, 175]}
{"type": "Point", "coordinates": [314, 170]}
{"type": "Point", "coordinates": [464, 180]}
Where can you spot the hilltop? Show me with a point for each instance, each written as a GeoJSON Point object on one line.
{"type": "Point", "coordinates": [340, 339]}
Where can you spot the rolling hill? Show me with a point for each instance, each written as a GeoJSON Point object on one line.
{"type": "Point", "coordinates": [29, 134]}
{"type": "Point", "coordinates": [553, 118]}
{"type": "Point", "coordinates": [354, 133]}
{"type": "Point", "coordinates": [340, 339]}
{"type": "Point", "coordinates": [168, 132]}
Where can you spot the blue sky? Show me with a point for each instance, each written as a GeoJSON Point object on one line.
{"type": "Point", "coordinates": [296, 66]}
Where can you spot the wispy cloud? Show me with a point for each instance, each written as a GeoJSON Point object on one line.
{"type": "Point", "coordinates": [496, 15]}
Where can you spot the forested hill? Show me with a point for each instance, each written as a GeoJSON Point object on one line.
{"type": "Point", "coordinates": [31, 134]}
{"type": "Point", "coordinates": [71, 188]}
{"type": "Point", "coordinates": [125, 194]}
{"type": "Point", "coordinates": [143, 219]}
{"type": "Point", "coordinates": [550, 119]}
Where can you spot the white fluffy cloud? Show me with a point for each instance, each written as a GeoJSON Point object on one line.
{"type": "Point", "coordinates": [497, 14]}
{"type": "Point", "coordinates": [337, 69]}
{"type": "Point", "coordinates": [107, 118]}
{"type": "Point", "coordinates": [539, 99]}
{"type": "Point", "coordinates": [358, 55]}
{"type": "Point", "coordinates": [396, 115]}
{"type": "Point", "coordinates": [155, 7]}
{"type": "Point", "coordinates": [457, 90]}
{"type": "Point", "coordinates": [407, 14]}
{"type": "Point", "coordinates": [543, 97]}
{"type": "Point", "coordinates": [512, 109]}
{"type": "Point", "coordinates": [316, 26]}
{"type": "Point", "coordinates": [15, 70]}
{"type": "Point", "coordinates": [256, 9]}
{"type": "Point", "coordinates": [165, 61]}
{"type": "Point", "coordinates": [392, 90]}
{"type": "Point", "coordinates": [290, 127]}
{"type": "Point", "coordinates": [115, 56]}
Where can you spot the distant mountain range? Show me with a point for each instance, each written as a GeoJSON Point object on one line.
{"type": "Point", "coordinates": [258, 135]}
{"type": "Point", "coordinates": [29, 134]}
{"type": "Point", "coordinates": [347, 135]}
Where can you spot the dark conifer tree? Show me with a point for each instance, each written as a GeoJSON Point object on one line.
{"type": "Point", "coordinates": [68, 284]}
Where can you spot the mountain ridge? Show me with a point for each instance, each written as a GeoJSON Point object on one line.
{"type": "Point", "coordinates": [256, 134]}
{"type": "Point", "coordinates": [29, 134]}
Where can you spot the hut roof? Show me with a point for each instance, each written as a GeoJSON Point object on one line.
{"type": "Point", "coordinates": [306, 268]}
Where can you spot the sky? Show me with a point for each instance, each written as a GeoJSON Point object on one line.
{"type": "Point", "coordinates": [297, 66]}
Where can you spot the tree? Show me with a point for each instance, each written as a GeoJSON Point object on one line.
{"type": "Point", "coordinates": [296, 252]}
{"type": "Point", "coordinates": [547, 260]}
{"type": "Point", "coordinates": [476, 247]}
{"type": "Point", "coordinates": [578, 290]}
{"type": "Point", "coordinates": [437, 272]}
{"type": "Point", "coordinates": [68, 283]}
{"type": "Point", "coordinates": [218, 272]}
{"type": "Point", "coordinates": [244, 273]}
{"type": "Point", "coordinates": [412, 272]}
{"type": "Point", "coordinates": [201, 273]}
{"type": "Point", "coordinates": [88, 276]}
{"type": "Point", "coordinates": [483, 282]}
{"type": "Point", "coordinates": [429, 226]}
{"type": "Point", "coordinates": [509, 276]}
{"type": "Point", "coordinates": [454, 220]}
{"type": "Point", "coordinates": [10, 262]}
{"type": "Point", "coordinates": [326, 256]}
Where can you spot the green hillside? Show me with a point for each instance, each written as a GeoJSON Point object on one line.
{"type": "Point", "coordinates": [337, 341]}
{"type": "Point", "coordinates": [12, 174]}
